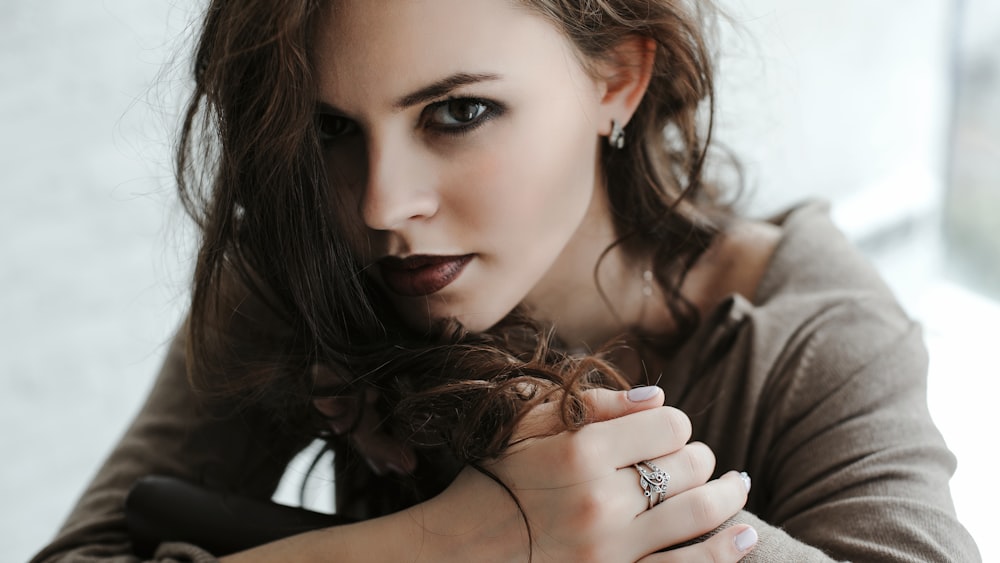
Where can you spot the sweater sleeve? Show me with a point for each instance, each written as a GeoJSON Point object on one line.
{"type": "Point", "coordinates": [849, 463]}
{"type": "Point", "coordinates": [171, 435]}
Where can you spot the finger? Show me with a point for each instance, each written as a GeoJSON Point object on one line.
{"type": "Point", "coordinates": [731, 544]}
{"type": "Point", "coordinates": [639, 436]}
{"type": "Point", "coordinates": [382, 451]}
{"type": "Point", "coordinates": [695, 512]}
{"type": "Point", "coordinates": [340, 412]}
{"type": "Point", "coordinates": [689, 467]}
{"type": "Point", "coordinates": [605, 404]}
{"type": "Point", "coordinates": [601, 405]}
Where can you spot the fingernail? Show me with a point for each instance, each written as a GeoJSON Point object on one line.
{"type": "Point", "coordinates": [746, 480]}
{"type": "Point", "coordinates": [644, 393]}
{"type": "Point", "coordinates": [746, 539]}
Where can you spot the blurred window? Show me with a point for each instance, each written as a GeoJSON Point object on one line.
{"type": "Point", "coordinates": [972, 209]}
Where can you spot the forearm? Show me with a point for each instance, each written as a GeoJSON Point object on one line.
{"type": "Point", "coordinates": [878, 490]}
{"type": "Point", "coordinates": [454, 526]}
{"type": "Point", "coordinates": [397, 537]}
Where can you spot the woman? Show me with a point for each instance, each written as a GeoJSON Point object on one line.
{"type": "Point", "coordinates": [439, 233]}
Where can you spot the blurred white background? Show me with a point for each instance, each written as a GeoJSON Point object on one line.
{"type": "Point", "coordinates": [855, 101]}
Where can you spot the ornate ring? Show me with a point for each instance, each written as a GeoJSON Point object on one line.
{"type": "Point", "coordinates": [653, 481]}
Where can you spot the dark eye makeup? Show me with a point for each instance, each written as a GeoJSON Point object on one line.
{"type": "Point", "coordinates": [459, 115]}
{"type": "Point", "coordinates": [331, 127]}
{"type": "Point", "coordinates": [452, 116]}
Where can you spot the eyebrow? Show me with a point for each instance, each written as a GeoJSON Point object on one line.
{"type": "Point", "coordinates": [443, 87]}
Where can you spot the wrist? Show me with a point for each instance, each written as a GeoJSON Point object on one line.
{"type": "Point", "coordinates": [473, 519]}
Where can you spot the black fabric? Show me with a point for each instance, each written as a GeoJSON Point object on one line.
{"type": "Point", "coordinates": [161, 509]}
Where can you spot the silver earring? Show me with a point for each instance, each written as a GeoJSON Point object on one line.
{"type": "Point", "coordinates": [647, 283]}
{"type": "Point", "coordinates": [616, 139]}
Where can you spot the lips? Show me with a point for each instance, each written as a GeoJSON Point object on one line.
{"type": "Point", "coordinates": [422, 275]}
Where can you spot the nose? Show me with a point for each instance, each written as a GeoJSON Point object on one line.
{"type": "Point", "coordinates": [400, 186]}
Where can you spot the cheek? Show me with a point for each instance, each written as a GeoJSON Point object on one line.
{"type": "Point", "coordinates": [536, 159]}
{"type": "Point", "coordinates": [541, 170]}
{"type": "Point", "coordinates": [523, 199]}
{"type": "Point", "coordinates": [501, 190]}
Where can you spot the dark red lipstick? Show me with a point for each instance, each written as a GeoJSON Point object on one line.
{"type": "Point", "coordinates": [417, 276]}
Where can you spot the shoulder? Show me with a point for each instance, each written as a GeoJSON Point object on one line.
{"type": "Point", "coordinates": [813, 256]}
{"type": "Point", "coordinates": [735, 263]}
{"type": "Point", "coordinates": [819, 315]}
{"type": "Point", "coordinates": [799, 254]}
{"type": "Point", "coordinates": [823, 325]}
{"type": "Point", "coordinates": [819, 292]}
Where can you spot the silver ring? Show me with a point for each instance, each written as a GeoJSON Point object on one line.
{"type": "Point", "coordinates": [653, 481]}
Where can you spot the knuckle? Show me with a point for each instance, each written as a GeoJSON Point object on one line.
{"type": "Point", "coordinates": [678, 422]}
{"type": "Point", "coordinates": [590, 513]}
{"type": "Point", "coordinates": [707, 510]}
{"type": "Point", "coordinates": [580, 452]}
{"type": "Point", "coordinates": [587, 511]}
{"type": "Point", "coordinates": [701, 461]}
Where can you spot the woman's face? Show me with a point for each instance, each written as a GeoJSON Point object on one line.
{"type": "Point", "coordinates": [462, 136]}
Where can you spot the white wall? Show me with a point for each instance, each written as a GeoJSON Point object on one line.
{"type": "Point", "coordinates": [92, 278]}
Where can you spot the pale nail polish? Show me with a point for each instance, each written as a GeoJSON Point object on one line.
{"type": "Point", "coordinates": [644, 393]}
{"type": "Point", "coordinates": [746, 480]}
{"type": "Point", "coordinates": [746, 539]}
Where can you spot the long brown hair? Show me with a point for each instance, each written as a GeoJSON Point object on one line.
{"type": "Point", "coordinates": [277, 291]}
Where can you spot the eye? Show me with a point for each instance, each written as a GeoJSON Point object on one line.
{"type": "Point", "coordinates": [331, 127]}
{"type": "Point", "coordinates": [459, 115]}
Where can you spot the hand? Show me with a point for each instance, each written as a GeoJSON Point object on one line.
{"type": "Point", "coordinates": [581, 496]}
{"type": "Point", "coordinates": [730, 544]}
{"type": "Point", "coordinates": [360, 418]}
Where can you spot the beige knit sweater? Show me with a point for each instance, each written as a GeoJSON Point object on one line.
{"type": "Point", "coordinates": [817, 388]}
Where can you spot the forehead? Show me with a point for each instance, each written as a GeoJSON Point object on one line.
{"type": "Point", "coordinates": [394, 46]}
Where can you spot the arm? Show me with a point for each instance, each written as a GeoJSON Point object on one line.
{"type": "Point", "coordinates": [849, 463]}
{"type": "Point", "coordinates": [578, 491]}
{"type": "Point", "coordinates": [235, 454]}
{"type": "Point", "coordinates": [171, 435]}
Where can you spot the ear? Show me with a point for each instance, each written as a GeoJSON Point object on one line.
{"type": "Point", "coordinates": [623, 75]}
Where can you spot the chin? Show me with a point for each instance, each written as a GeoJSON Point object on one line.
{"type": "Point", "coordinates": [478, 323]}
{"type": "Point", "coordinates": [445, 323]}
{"type": "Point", "coordinates": [462, 310]}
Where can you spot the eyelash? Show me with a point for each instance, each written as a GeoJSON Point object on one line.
{"type": "Point", "coordinates": [490, 110]}
{"type": "Point", "coordinates": [344, 127]}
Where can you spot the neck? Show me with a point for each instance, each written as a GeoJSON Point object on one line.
{"type": "Point", "coordinates": [587, 311]}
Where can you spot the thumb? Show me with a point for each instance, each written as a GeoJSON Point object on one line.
{"type": "Point", "coordinates": [604, 404]}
